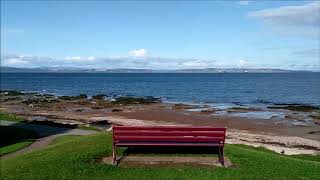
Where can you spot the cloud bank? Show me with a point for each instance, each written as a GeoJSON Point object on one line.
{"type": "Point", "coordinates": [301, 21]}
{"type": "Point", "coordinates": [138, 53]}
{"type": "Point", "coordinates": [303, 15]}
{"type": "Point", "coordinates": [156, 63]}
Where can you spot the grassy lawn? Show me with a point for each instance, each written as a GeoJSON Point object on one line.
{"type": "Point", "coordinates": [14, 147]}
{"type": "Point", "coordinates": [10, 117]}
{"type": "Point", "coordinates": [73, 157]}
{"type": "Point", "coordinates": [13, 138]}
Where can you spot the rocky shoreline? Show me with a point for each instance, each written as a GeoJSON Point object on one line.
{"type": "Point", "coordinates": [100, 111]}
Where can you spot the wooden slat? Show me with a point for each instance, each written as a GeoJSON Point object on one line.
{"type": "Point", "coordinates": [168, 138]}
{"type": "Point", "coordinates": [168, 128]}
{"type": "Point", "coordinates": [168, 133]}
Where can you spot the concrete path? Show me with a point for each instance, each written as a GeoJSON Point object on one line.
{"type": "Point", "coordinates": [47, 135]}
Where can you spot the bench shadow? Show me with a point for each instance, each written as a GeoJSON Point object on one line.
{"type": "Point", "coordinates": [174, 151]}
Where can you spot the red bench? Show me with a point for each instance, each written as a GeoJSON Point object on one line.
{"type": "Point", "coordinates": [142, 136]}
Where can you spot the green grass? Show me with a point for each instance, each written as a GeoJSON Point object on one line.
{"type": "Point", "coordinates": [13, 138]}
{"type": "Point", "coordinates": [14, 147]}
{"type": "Point", "coordinates": [10, 117]}
{"type": "Point", "coordinates": [307, 157]}
{"type": "Point", "coordinates": [74, 157]}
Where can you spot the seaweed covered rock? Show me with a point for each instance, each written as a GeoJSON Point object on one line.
{"type": "Point", "coordinates": [294, 107]}
{"type": "Point", "coordinates": [70, 98]}
{"type": "Point", "coordinates": [116, 110]}
{"type": "Point", "coordinates": [99, 97]}
{"type": "Point", "coordinates": [10, 93]}
{"type": "Point", "coordinates": [183, 106]}
{"type": "Point", "coordinates": [136, 100]}
{"type": "Point", "coordinates": [38, 101]}
{"type": "Point", "coordinates": [6, 99]}
{"type": "Point", "coordinates": [315, 116]}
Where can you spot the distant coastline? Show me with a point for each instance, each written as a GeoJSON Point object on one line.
{"type": "Point", "coordinates": [121, 70]}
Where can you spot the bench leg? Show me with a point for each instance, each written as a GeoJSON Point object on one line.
{"type": "Point", "coordinates": [114, 157]}
{"type": "Point", "coordinates": [221, 155]}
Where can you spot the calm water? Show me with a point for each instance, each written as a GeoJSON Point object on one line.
{"type": "Point", "coordinates": [192, 88]}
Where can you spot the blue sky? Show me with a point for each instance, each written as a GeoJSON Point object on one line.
{"type": "Point", "coordinates": [161, 34]}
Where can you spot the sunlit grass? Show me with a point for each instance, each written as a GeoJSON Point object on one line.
{"type": "Point", "coordinates": [74, 157]}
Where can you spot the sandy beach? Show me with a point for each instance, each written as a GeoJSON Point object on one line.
{"type": "Point", "coordinates": [274, 134]}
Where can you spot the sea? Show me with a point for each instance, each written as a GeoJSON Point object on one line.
{"type": "Point", "coordinates": [223, 89]}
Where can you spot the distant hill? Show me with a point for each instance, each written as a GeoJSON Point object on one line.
{"type": "Point", "coordinates": [79, 70]}
{"type": "Point", "coordinates": [234, 70]}
{"type": "Point", "coordinates": [24, 70]}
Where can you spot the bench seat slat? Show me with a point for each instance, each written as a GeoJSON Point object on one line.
{"type": "Point", "coordinates": [168, 128]}
{"type": "Point", "coordinates": [126, 144]}
{"type": "Point", "coordinates": [169, 133]}
{"type": "Point", "coordinates": [169, 138]}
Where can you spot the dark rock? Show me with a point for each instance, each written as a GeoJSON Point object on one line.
{"type": "Point", "coordinates": [135, 100]}
{"type": "Point", "coordinates": [10, 93]}
{"type": "Point", "coordinates": [82, 96]}
{"type": "Point", "coordinates": [66, 98]}
{"type": "Point", "coordinates": [208, 111]}
{"type": "Point", "coordinates": [302, 108]}
{"type": "Point", "coordinates": [117, 110]}
{"type": "Point", "coordinates": [11, 99]}
{"type": "Point", "coordinates": [288, 117]}
{"type": "Point", "coordinates": [97, 107]}
{"type": "Point", "coordinates": [242, 109]}
{"type": "Point", "coordinates": [315, 116]}
{"type": "Point", "coordinates": [183, 106]}
{"type": "Point", "coordinates": [70, 98]}
{"type": "Point", "coordinates": [38, 101]}
{"type": "Point", "coordinates": [99, 97]}
{"type": "Point", "coordinates": [314, 132]}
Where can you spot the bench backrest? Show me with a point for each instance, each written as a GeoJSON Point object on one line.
{"type": "Point", "coordinates": [171, 134]}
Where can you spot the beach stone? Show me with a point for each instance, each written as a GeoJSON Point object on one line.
{"type": "Point", "coordinates": [117, 110]}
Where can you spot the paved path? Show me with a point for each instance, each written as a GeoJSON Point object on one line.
{"type": "Point", "coordinates": [47, 135]}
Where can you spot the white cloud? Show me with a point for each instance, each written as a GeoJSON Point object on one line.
{"type": "Point", "coordinates": [72, 58]}
{"type": "Point", "coordinates": [91, 58]}
{"type": "Point", "coordinates": [243, 62]}
{"type": "Point", "coordinates": [145, 63]}
{"type": "Point", "coordinates": [16, 62]}
{"type": "Point", "coordinates": [301, 15]}
{"type": "Point", "coordinates": [138, 53]}
{"type": "Point", "coordinates": [243, 2]}
{"type": "Point", "coordinates": [309, 34]}
{"type": "Point", "coordinates": [78, 58]}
